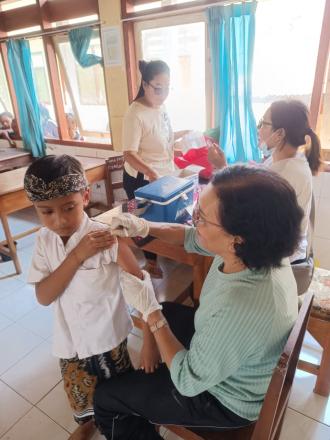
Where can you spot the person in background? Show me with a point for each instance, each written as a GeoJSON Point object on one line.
{"type": "Point", "coordinates": [219, 358]}
{"type": "Point", "coordinates": [283, 129]}
{"type": "Point", "coordinates": [49, 127]}
{"type": "Point", "coordinates": [75, 266]}
{"type": "Point", "coordinates": [6, 128]}
{"type": "Point", "coordinates": [73, 129]}
{"type": "Point", "coordinates": [148, 138]}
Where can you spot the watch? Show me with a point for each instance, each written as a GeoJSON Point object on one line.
{"type": "Point", "coordinates": [158, 324]}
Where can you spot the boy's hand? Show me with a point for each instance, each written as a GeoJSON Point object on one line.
{"type": "Point", "coordinates": [149, 356]}
{"type": "Point", "coordinates": [92, 243]}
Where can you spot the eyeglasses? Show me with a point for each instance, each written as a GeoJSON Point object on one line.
{"type": "Point", "coordinates": [197, 217]}
{"type": "Point", "coordinates": [159, 90]}
{"type": "Point", "coordinates": [263, 122]}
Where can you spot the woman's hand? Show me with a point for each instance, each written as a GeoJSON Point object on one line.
{"type": "Point", "coordinates": [216, 157]}
{"type": "Point", "coordinates": [92, 243]}
{"type": "Point", "coordinates": [152, 175]}
{"type": "Point", "coordinates": [139, 294]}
{"type": "Point", "coordinates": [128, 225]}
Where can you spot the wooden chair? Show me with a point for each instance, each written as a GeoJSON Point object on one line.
{"type": "Point", "coordinates": [269, 424]}
{"type": "Point", "coordinates": [113, 164]}
{"type": "Point", "coordinates": [319, 328]}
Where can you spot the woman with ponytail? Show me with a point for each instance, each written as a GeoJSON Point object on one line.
{"type": "Point", "coordinates": [285, 128]}
{"type": "Point", "coordinates": [148, 139]}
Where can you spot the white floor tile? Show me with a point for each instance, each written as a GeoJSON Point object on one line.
{"type": "Point", "coordinates": [56, 406]}
{"type": "Point", "coordinates": [19, 303]}
{"type": "Point", "coordinates": [12, 407]}
{"type": "Point", "coordinates": [15, 343]}
{"type": "Point", "coordinates": [34, 375]}
{"type": "Point", "coordinates": [39, 321]}
{"type": "Point", "coordinates": [36, 426]}
{"type": "Point", "coordinates": [9, 285]}
{"type": "Point", "coordinates": [4, 322]}
{"type": "Point", "coordinates": [305, 401]}
{"type": "Point", "coordinates": [297, 426]}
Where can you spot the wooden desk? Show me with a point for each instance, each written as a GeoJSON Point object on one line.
{"type": "Point", "coordinates": [13, 158]}
{"type": "Point", "coordinates": [200, 264]}
{"type": "Point", "coordinates": [13, 198]}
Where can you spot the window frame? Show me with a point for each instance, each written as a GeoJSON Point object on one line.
{"type": "Point", "coordinates": [130, 18]}
{"type": "Point", "coordinates": [194, 17]}
{"type": "Point", "coordinates": [44, 13]}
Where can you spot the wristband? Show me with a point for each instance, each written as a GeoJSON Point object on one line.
{"type": "Point", "coordinates": [158, 325]}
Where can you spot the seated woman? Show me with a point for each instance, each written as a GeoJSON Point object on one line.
{"type": "Point", "coordinates": [283, 130]}
{"type": "Point", "coordinates": [220, 357]}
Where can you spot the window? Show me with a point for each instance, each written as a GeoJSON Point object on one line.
{"type": "Point", "coordinates": [183, 47]}
{"type": "Point", "coordinates": [83, 90]}
{"type": "Point", "coordinates": [5, 101]}
{"type": "Point", "coordinates": [286, 47]}
{"type": "Point", "coordinates": [43, 90]}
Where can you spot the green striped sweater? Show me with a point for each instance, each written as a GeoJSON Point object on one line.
{"type": "Point", "coordinates": [241, 327]}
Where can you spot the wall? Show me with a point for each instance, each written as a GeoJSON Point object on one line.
{"type": "Point", "coordinates": [322, 221]}
{"type": "Point", "coordinates": [115, 77]}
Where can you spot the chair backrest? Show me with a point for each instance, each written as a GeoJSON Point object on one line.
{"type": "Point", "coordinates": [303, 272]}
{"type": "Point", "coordinates": [114, 170]}
{"type": "Point", "coordinates": [277, 397]}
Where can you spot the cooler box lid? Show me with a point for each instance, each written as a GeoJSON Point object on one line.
{"type": "Point", "coordinates": [164, 189]}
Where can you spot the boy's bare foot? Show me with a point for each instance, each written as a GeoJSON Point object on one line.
{"type": "Point", "coordinates": [84, 432]}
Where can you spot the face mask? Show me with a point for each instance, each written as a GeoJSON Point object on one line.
{"type": "Point", "coordinates": [265, 150]}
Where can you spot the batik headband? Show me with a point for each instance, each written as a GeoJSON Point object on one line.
{"type": "Point", "coordinates": [38, 190]}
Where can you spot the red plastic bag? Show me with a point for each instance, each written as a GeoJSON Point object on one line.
{"type": "Point", "coordinates": [196, 156]}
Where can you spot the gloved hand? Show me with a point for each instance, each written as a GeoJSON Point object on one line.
{"type": "Point", "coordinates": [128, 225]}
{"type": "Point", "coordinates": [139, 294]}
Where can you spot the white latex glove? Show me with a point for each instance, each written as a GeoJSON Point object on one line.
{"type": "Point", "coordinates": [139, 294]}
{"type": "Point", "coordinates": [128, 225]}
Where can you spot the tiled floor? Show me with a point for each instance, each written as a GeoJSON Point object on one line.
{"type": "Point", "coordinates": [32, 401]}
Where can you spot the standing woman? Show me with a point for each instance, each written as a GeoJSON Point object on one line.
{"type": "Point", "coordinates": [148, 138]}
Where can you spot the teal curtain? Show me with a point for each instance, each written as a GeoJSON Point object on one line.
{"type": "Point", "coordinates": [19, 57]}
{"type": "Point", "coordinates": [80, 40]}
{"type": "Point", "coordinates": [232, 33]}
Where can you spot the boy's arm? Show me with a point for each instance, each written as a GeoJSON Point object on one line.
{"type": "Point", "coordinates": [48, 289]}
{"type": "Point", "coordinates": [149, 355]}
{"type": "Point", "coordinates": [127, 261]}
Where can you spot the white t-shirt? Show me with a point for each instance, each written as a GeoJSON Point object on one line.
{"type": "Point", "coordinates": [91, 316]}
{"type": "Point", "coordinates": [297, 172]}
{"type": "Point", "coordinates": [148, 132]}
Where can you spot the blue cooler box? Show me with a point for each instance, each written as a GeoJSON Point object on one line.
{"type": "Point", "coordinates": [168, 197]}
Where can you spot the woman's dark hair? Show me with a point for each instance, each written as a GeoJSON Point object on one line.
{"type": "Point", "coordinates": [261, 207]}
{"type": "Point", "coordinates": [149, 71]}
{"type": "Point", "coordinates": [293, 117]}
{"type": "Point", "coordinates": [51, 167]}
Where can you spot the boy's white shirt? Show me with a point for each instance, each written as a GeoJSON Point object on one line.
{"type": "Point", "coordinates": [91, 316]}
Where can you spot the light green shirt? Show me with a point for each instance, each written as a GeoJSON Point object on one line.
{"type": "Point", "coordinates": [241, 327]}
